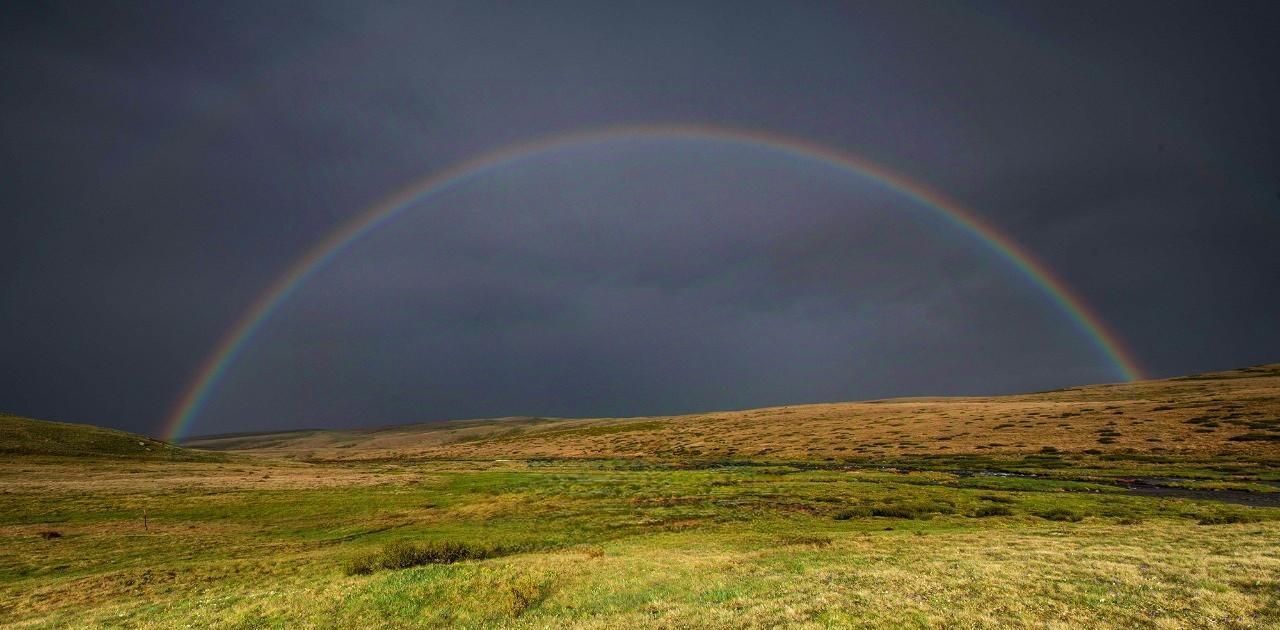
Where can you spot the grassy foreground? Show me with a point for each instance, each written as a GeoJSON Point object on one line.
{"type": "Point", "coordinates": [251, 543]}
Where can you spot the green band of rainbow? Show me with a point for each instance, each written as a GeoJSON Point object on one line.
{"type": "Point", "coordinates": [215, 365]}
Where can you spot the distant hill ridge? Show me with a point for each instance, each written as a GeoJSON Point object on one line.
{"type": "Point", "coordinates": [1236, 412]}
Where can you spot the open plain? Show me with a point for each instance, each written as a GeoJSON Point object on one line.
{"type": "Point", "coordinates": [1153, 504]}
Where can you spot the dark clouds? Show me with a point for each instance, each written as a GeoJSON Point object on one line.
{"type": "Point", "coordinates": [164, 163]}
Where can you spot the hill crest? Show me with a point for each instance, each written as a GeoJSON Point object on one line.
{"type": "Point", "coordinates": [1236, 411]}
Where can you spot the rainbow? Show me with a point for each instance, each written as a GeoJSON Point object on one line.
{"type": "Point", "coordinates": [233, 341]}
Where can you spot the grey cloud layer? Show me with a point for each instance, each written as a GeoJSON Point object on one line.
{"type": "Point", "coordinates": [163, 163]}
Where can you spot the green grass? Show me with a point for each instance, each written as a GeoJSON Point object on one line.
{"type": "Point", "coordinates": [403, 555]}
{"type": "Point", "coordinates": [25, 436]}
{"type": "Point", "coordinates": [623, 543]}
{"type": "Point", "coordinates": [605, 429]}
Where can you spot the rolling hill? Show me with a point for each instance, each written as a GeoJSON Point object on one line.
{"type": "Point", "coordinates": [1236, 411]}
{"type": "Point", "coordinates": [27, 436]}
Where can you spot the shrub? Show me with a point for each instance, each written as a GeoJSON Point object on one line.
{"type": "Point", "coordinates": [49, 534]}
{"type": "Point", "coordinates": [895, 511]}
{"type": "Point", "coordinates": [995, 498]}
{"type": "Point", "coordinates": [592, 551]}
{"type": "Point", "coordinates": [807, 541]}
{"type": "Point", "coordinates": [912, 510]}
{"type": "Point", "coordinates": [846, 514]}
{"type": "Point", "coordinates": [524, 594]}
{"type": "Point", "coordinates": [1255, 437]}
{"type": "Point", "coordinates": [1061, 514]}
{"type": "Point", "coordinates": [362, 564]}
{"type": "Point", "coordinates": [992, 510]}
{"type": "Point", "coordinates": [403, 555]}
{"type": "Point", "coordinates": [1226, 518]}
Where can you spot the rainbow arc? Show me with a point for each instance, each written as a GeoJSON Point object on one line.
{"type": "Point", "coordinates": [211, 370]}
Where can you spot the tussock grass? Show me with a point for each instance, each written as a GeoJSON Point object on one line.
{"type": "Point", "coordinates": [995, 498]}
{"type": "Point", "coordinates": [1255, 437]}
{"type": "Point", "coordinates": [1061, 514]}
{"type": "Point", "coordinates": [403, 554]}
{"type": "Point", "coordinates": [912, 510]}
{"type": "Point", "coordinates": [851, 513]}
{"type": "Point", "coordinates": [1226, 518]}
{"type": "Point", "coordinates": [992, 510]}
{"type": "Point", "coordinates": [806, 541]}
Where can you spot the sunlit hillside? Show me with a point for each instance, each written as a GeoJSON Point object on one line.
{"type": "Point", "coordinates": [1207, 414]}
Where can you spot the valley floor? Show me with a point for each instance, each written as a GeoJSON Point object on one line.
{"type": "Point", "coordinates": [251, 542]}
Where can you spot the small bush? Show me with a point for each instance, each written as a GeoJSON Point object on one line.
{"type": "Point", "coordinates": [894, 511]}
{"type": "Point", "coordinates": [912, 510]}
{"type": "Point", "coordinates": [403, 555]}
{"type": "Point", "coordinates": [361, 565]}
{"type": "Point", "coordinates": [995, 498]}
{"type": "Point", "coordinates": [49, 534]}
{"type": "Point", "coordinates": [1061, 514]}
{"type": "Point", "coordinates": [1255, 437]}
{"type": "Point", "coordinates": [806, 541]}
{"type": "Point", "coordinates": [593, 552]}
{"type": "Point", "coordinates": [992, 510]}
{"type": "Point", "coordinates": [524, 594]}
{"type": "Point", "coordinates": [1226, 518]}
{"type": "Point", "coordinates": [846, 514]}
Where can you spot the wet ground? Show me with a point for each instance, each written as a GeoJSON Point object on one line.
{"type": "Point", "coordinates": [1161, 488]}
{"type": "Point", "coordinates": [1164, 487]}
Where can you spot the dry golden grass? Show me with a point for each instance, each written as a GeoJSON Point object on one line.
{"type": "Point", "coordinates": [1199, 415]}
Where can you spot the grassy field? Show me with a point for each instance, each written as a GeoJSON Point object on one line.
{"type": "Point", "coordinates": [277, 534]}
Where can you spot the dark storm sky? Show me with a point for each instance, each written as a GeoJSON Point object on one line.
{"type": "Point", "coordinates": [164, 162]}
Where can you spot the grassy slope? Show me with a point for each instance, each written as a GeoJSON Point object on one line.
{"type": "Point", "coordinates": [25, 436]}
{"type": "Point", "coordinates": [1236, 412]}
